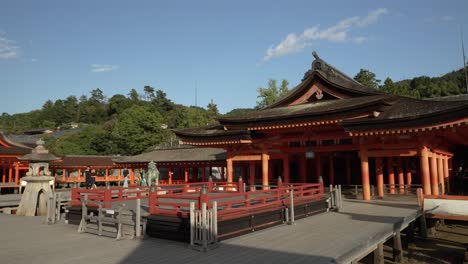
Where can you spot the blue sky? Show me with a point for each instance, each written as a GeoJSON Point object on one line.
{"type": "Point", "coordinates": [225, 49]}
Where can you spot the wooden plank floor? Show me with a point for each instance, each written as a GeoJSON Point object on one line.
{"type": "Point", "coordinates": [326, 238]}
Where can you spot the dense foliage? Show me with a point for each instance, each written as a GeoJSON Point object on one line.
{"type": "Point", "coordinates": [124, 125]}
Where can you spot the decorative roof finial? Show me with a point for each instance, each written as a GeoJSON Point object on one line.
{"type": "Point", "coordinates": [314, 53]}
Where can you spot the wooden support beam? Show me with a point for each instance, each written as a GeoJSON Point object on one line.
{"type": "Point", "coordinates": [380, 178]}
{"type": "Point", "coordinates": [265, 182]}
{"type": "Point", "coordinates": [440, 173]}
{"type": "Point", "coordinates": [397, 248]}
{"type": "Point", "coordinates": [379, 254]}
{"type": "Point", "coordinates": [170, 174]}
{"type": "Point", "coordinates": [401, 178]}
{"type": "Point", "coordinates": [229, 169]}
{"type": "Point", "coordinates": [252, 175]}
{"type": "Point", "coordinates": [17, 173]}
{"type": "Point", "coordinates": [393, 153]}
{"type": "Point", "coordinates": [434, 177]}
{"type": "Point", "coordinates": [408, 172]}
{"type": "Point", "coordinates": [391, 175]}
{"type": "Point", "coordinates": [246, 157]}
{"type": "Point", "coordinates": [365, 175]}
{"type": "Point", "coordinates": [424, 163]}
{"type": "Point", "coordinates": [446, 172]}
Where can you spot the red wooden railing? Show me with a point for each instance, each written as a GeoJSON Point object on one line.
{"type": "Point", "coordinates": [234, 203]}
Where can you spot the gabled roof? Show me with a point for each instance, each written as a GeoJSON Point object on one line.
{"type": "Point", "coordinates": [321, 71]}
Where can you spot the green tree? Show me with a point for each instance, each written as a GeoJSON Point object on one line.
{"type": "Point", "coordinates": [137, 129]}
{"type": "Point", "coordinates": [268, 96]}
{"type": "Point", "coordinates": [212, 109]}
{"type": "Point", "coordinates": [134, 96]}
{"type": "Point", "coordinates": [118, 103]}
{"type": "Point", "coordinates": [149, 92]}
{"type": "Point", "coordinates": [367, 78]}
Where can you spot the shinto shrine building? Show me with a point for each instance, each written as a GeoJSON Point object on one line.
{"type": "Point", "coordinates": [332, 126]}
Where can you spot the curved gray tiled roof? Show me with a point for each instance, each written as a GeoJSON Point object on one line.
{"type": "Point", "coordinates": [183, 154]}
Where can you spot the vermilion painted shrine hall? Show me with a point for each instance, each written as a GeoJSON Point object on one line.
{"type": "Point", "coordinates": [332, 126]}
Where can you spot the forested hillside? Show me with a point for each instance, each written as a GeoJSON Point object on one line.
{"type": "Point", "coordinates": [123, 124]}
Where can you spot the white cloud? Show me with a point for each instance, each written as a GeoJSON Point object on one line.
{"type": "Point", "coordinates": [7, 48]}
{"type": "Point", "coordinates": [336, 33]}
{"type": "Point", "coordinates": [103, 67]}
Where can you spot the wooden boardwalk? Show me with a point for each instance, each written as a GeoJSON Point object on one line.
{"type": "Point", "coordinates": [334, 237]}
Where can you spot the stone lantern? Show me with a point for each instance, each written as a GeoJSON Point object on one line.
{"type": "Point", "coordinates": [38, 180]}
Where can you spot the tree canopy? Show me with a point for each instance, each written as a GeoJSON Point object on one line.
{"type": "Point", "coordinates": [271, 94]}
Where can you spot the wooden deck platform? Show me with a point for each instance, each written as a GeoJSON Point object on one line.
{"type": "Point", "coordinates": [333, 237]}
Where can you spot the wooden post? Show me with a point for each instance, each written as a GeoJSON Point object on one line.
{"type": "Point", "coordinates": [380, 178]}
{"type": "Point", "coordinates": [424, 163]}
{"type": "Point", "coordinates": [265, 158]}
{"type": "Point", "coordinates": [10, 174]}
{"type": "Point", "coordinates": [408, 172]}
{"type": "Point", "coordinates": [434, 177]}
{"type": "Point", "coordinates": [391, 175]}
{"type": "Point", "coordinates": [440, 173]}
{"type": "Point", "coordinates": [401, 178]}
{"type": "Point", "coordinates": [397, 247]}
{"type": "Point", "coordinates": [17, 173]}
{"type": "Point", "coordinates": [252, 175]}
{"type": "Point", "coordinates": [229, 170]}
{"type": "Point", "coordinates": [185, 174]}
{"type": "Point", "coordinates": [348, 170]}
{"type": "Point", "coordinates": [379, 254]}
{"type": "Point", "coordinates": [366, 195]}
{"type": "Point", "coordinates": [4, 174]}
{"type": "Point", "coordinates": [332, 170]}
{"type": "Point", "coordinates": [64, 175]}
{"type": "Point", "coordinates": [286, 169]}
{"type": "Point", "coordinates": [132, 175]}
{"type": "Point", "coordinates": [446, 173]}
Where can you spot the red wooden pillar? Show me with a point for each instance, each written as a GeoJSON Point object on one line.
{"type": "Point", "coordinates": [424, 163]}
{"type": "Point", "coordinates": [185, 174]}
{"type": "Point", "coordinates": [10, 174]}
{"type": "Point", "coordinates": [79, 176]}
{"type": "Point", "coordinates": [64, 175]}
{"type": "Point", "coordinates": [170, 173]}
{"type": "Point", "coordinates": [4, 174]}
{"type": "Point", "coordinates": [265, 158]}
{"type": "Point", "coordinates": [446, 172]}
{"type": "Point", "coordinates": [380, 178]}
{"type": "Point", "coordinates": [408, 172]}
{"type": "Point", "coordinates": [318, 164]}
{"type": "Point", "coordinates": [440, 173]}
{"type": "Point", "coordinates": [434, 177]}
{"type": "Point", "coordinates": [229, 169]}
{"type": "Point", "coordinates": [17, 173]}
{"type": "Point", "coordinates": [302, 168]}
{"type": "Point", "coordinates": [286, 169]}
{"type": "Point", "coordinates": [252, 175]}
{"type": "Point", "coordinates": [348, 170]}
{"type": "Point", "coordinates": [332, 170]}
{"type": "Point", "coordinates": [132, 175]}
{"type": "Point", "coordinates": [366, 195]}
{"type": "Point", "coordinates": [391, 175]}
{"type": "Point", "coordinates": [401, 177]}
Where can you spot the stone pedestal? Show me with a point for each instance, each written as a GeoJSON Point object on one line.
{"type": "Point", "coordinates": [35, 196]}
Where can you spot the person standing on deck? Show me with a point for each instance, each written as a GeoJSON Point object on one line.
{"type": "Point", "coordinates": [125, 174]}
{"type": "Point", "coordinates": [89, 180]}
